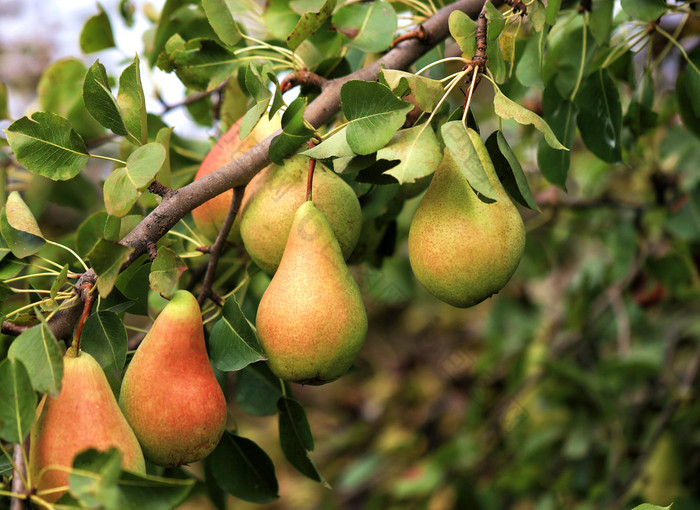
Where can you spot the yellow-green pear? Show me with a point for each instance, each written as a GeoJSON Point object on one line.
{"type": "Point", "coordinates": [169, 394]}
{"type": "Point", "coordinates": [276, 194]}
{"type": "Point", "coordinates": [311, 320]}
{"type": "Point", "coordinates": [84, 415]}
{"type": "Point", "coordinates": [462, 249]}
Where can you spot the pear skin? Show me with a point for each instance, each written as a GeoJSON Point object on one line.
{"type": "Point", "coordinates": [275, 196]}
{"type": "Point", "coordinates": [462, 249]}
{"type": "Point", "coordinates": [169, 394]}
{"type": "Point", "coordinates": [209, 216]}
{"type": "Point", "coordinates": [311, 320]}
{"type": "Point", "coordinates": [84, 415]}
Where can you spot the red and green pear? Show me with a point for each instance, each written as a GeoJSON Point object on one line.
{"type": "Point", "coordinates": [169, 394]}
{"type": "Point", "coordinates": [84, 415]}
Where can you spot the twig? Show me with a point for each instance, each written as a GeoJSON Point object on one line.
{"type": "Point", "coordinates": [193, 98]}
{"type": "Point", "coordinates": [152, 250]}
{"type": "Point", "coordinates": [310, 175]}
{"type": "Point", "coordinates": [19, 474]}
{"type": "Point", "coordinates": [418, 33]}
{"type": "Point", "coordinates": [158, 189]}
{"type": "Point", "coordinates": [12, 329]}
{"type": "Point", "coordinates": [217, 248]}
{"type": "Point", "coordinates": [302, 77]}
{"type": "Point", "coordinates": [86, 291]}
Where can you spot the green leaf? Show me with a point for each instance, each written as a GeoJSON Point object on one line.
{"type": "Point", "coordinates": [459, 143]}
{"type": "Point", "coordinates": [244, 470]}
{"type": "Point", "coordinates": [120, 192]}
{"type": "Point", "coordinates": [601, 20]}
{"type": "Point", "coordinates": [369, 26]}
{"type": "Point", "coordinates": [649, 506]}
{"type": "Point", "coordinates": [201, 64]}
{"type": "Point", "coordinates": [132, 102]}
{"type": "Point", "coordinates": [221, 20]}
{"type": "Point", "coordinates": [509, 171]}
{"type": "Point", "coordinates": [374, 114]}
{"type": "Point", "coordinates": [552, 11]}
{"type": "Point", "coordinates": [294, 132]}
{"type": "Point", "coordinates": [100, 102]}
{"type": "Point", "coordinates": [90, 232]}
{"type": "Point", "coordinates": [528, 70]}
{"type": "Point", "coordinates": [17, 401]}
{"type": "Point", "coordinates": [295, 437]}
{"type": "Point", "coordinates": [48, 145]}
{"type": "Point", "coordinates": [418, 151]}
{"type": "Point", "coordinates": [309, 23]}
{"type": "Point", "coordinates": [600, 116]}
{"type": "Point", "coordinates": [4, 111]}
{"type": "Point", "coordinates": [258, 390]}
{"type": "Point", "coordinates": [426, 92]}
{"type": "Point", "coordinates": [561, 115]}
{"type": "Point", "coordinates": [40, 354]}
{"type": "Point", "coordinates": [685, 223]}
{"type": "Point", "coordinates": [279, 18]}
{"type": "Point", "coordinates": [19, 228]}
{"type": "Point", "coordinates": [166, 271]}
{"type": "Point", "coordinates": [59, 282]}
{"type": "Point", "coordinates": [106, 259]}
{"type": "Point", "coordinates": [507, 109]}
{"type": "Point", "coordinates": [463, 31]}
{"type": "Point", "coordinates": [104, 336]}
{"type": "Point", "coordinates": [644, 10]}
{"type": "Point", "coordinates": [163, 137]}
{"type": "Point", "coordinates": [685, 93]}
{"type": "Point", "coordinates": [257, 88]}
{"type": "Point", "coordinates": [233, 344]}
{"type": "Point", "coordinates": [96, 34]}
{"type": "Point", "coordinates": [335, 146]}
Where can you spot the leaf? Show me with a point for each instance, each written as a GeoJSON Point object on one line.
{"type": "Point", "coordinates": [369, 26]}
{"type": "Point", "coordinates": [418, 151]}
{"type": "Point", "coordinates": [120, 192]}
{"type": "Point", "coordinates": [600, 116]}
{"type": "Point", "coordinates": [233, 344]}
{"type": "Point", "coordinates": [509, 170]}
{"type": "Point", "coordinates": [649, 506]}
{"type": "Point", "coordinates": [294, 132]}
{"type": "Point", "coordinates": [552, 11]}
{"type": "Point", "coordinates": [426, 92]}
{"type": "Point", "coordinates": [17, 401]}
{"type": "Point", "coordinates": [38, 351]}
{"type": "Point", "coordinates": [295, 437]}
{"type": "Point", "coordinates": [47, 145]}
{"type": "Point", "coordinates": [221, 20]}
{"type": "Point", "coordinates": [19, 228]}
{"type": "Point", "coordinates": [335, 146]}
{"type": "Point", "coordinates": [507, 109]}
{"type": "Point", "coordinates": [374, 114]}
{"type": "Point", "coordinates": [561, 115]}
{"type": "Point", "coordinates": [459, 144]}
{"type": "Point", "coordinates": [4, 111]}
{"type": "Point", "coordinates": [685, 94]}
{"type": "Point", "coordinates": [106, 259]}
{"type": "Point", "coordinates": [96, 34]}
{"type": "Point", "coordinates": [132, 102]}
{"type": "Point", "coordinates": [201, 64]}
{"type": "Point", "coordinates": [309, 23]}
{"type": "Point", "coordinates": [528, 70]}
{"type": "Point", "coordinates": [59, 282]}
{"type": "Point", "coordinates": [685, 223]}
{"type": "Point", "coordinates": [104, 336]}
{"type": "Point", "coordinates": [166, 271]}
{"type": "Point", "coordinates": [258, 390]}
{"type": "Point", "coordinates": [244, 470]}
{"type": "Point", "coordinates": [463, 31]}
{"type": "Point", "coordinates": [644, 10]}
{"type": "Point", "coordinates": [601, 20]}
{"type": "Point", "coordinates": [258, 90]}
{"type": "Point", "coordinates": [99, 101]}
{"type": "Point", "coordinates": [163, 137]}
{"type": "Point", "coordinates": [279, 18]}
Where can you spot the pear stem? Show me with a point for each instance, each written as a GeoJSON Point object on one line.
{"type": "Point", "coordinates": [310, 178]}
{"type": "Point", "coordinates": [86, 290]}
{"type": "Point", "coordinates": [217, 248]}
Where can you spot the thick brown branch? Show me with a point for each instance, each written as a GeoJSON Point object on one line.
{"type": "Point", "coordinates": [218, 247]}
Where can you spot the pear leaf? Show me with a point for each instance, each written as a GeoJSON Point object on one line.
{"type": "Point", "coordinates": [120, 192]}
{"type": "Point", "coordinates": [600, 116]}
{"type": "Point", "coordinates": [105, 338]}
{"type": "Point", "coordinates": [417, 150]}
{"type": "Point", "coordinates": [100, 102]}
{"type": "Point", "coordinates": [96, 34]}
{"type": "Point", "coordinates": [309, 23]}
{"type": "Point", "coordinates": [261, 95]}
{"type": "Point", "coordinates": [59, 282]}
{"type": "Point", "coordinates": [295, 132]}
{"type": "Point", "coordinates": [509, 170]}
{"type": "Point", "coordinates": [374, 114]}
{"type": "Point", "coordinates": [17, 401]}
{"type": "Point", "coordinates": [258, 390]}
{"type": "Point", "coordinates": [244, 470]}
{"type": "Point", "coordinates": [335, 146]}
{"type": "Point", "coordinates": [107, 258]}
{"type": "Point", "coordinates": [369, 26]}
{"type": "Point", "coordinates": [48, 145]}
{"type": "Point", "coordinates": [222, 21]}
{"type": "Point", "coordinates": [458, 142]}
{"type": "Point", "coordinates": [295, 437]}
{"type": "Point", "coordinates": [40, 354]}
{"type": "Point", "coordinates": [166, 271]}
{"type": "Point", "coordinates": [19, 228]}
{"type": "Point", "coordinates": [463, 31]}
{"type": "Point", "coordinates": [201, 64]}
{"type": "Point", "coordinates": [507, 109]}
{"type": "Point", "coordinates": [233, 343]}
{"type": "Point", "coordinates": [426, 92]}
{"type": "Point", "coordinates": [132, 102]}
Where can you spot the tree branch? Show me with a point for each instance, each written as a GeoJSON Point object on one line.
{"type": "Point", "coordinates": [19, 474]}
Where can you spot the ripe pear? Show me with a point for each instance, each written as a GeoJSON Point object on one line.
{"type": "Point", "coordinates": [462, 249]}
{"type": "Point", "coordinates": [84, 415]}
{"type": "Point", "coordinates": [277, 193]}
{"type": "Point", "coordinates": [169, 394]}
{"type": "Point", "coordinates": [209, 216]}
{"type": "Point", "coordinates": [311, 320]}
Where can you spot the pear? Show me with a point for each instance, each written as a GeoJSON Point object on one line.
{"type": "Point", "coordinates": [84, 415]}
{"type": "Point", "coordinates": [169, 394]}
{"type": "Point", "coordinates": [311, 320]}
{"type": "Point", "coordinates": [209, 216]}
{"type": "Point", "coordinates": [462, 249]}
{"type": "Point", "coordinates": [275, 196]}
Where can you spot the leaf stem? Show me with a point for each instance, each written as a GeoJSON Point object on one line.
{"type": "Point", "coordinates": [579, 79]}
{"type": "Point", "coordinates": [107, 158]}
{"type": "Point", "coordinates": [678, 45]}
{"type": "Point", "coordinates": [77, 257]}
